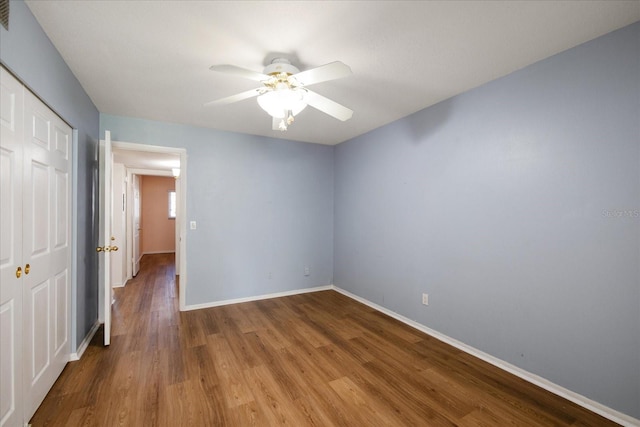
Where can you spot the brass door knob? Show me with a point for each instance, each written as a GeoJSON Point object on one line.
{"type": "Point", "coordinates": [19, 272]}
{"type": "Point", "coordinates": [99, 249]}
{"type": "Point", "coordinates": [27, 269]}
{"type": "Point", "coordinates": [114, 248]}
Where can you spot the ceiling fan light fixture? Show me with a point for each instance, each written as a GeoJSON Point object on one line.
{"type": "Point", "coordinates": [279, 103]}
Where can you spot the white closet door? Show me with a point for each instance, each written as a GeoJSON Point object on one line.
{"type": "Point", "coordinates": [11, 137]}
{"type": "Point", "coordinates": [46, 249]}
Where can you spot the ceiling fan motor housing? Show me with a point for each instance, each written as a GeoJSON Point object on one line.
{"type": "Point", "coordinates": [280, 65]}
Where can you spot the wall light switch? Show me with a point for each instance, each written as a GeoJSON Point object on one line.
{"type": "Point", "coordinates": [192, 225]}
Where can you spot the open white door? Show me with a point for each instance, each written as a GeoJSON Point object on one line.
{"type": "Point", "coordinates": [104, 265]}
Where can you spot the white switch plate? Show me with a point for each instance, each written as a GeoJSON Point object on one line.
{"type": "Point", "coordinates": [425, 299]}
{"type": "Point", "coordinates": [192, 225]}
{"type": "Point", "coordinates": [307, 271]}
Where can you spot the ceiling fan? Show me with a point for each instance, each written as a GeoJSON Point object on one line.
{"type": "Point", "coordinates": [284, 92]}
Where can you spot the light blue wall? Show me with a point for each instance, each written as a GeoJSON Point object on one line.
{"type": "Point", "coordinates": [502, 203]}
{"type": "Point", "coordinates": [261, 205]}
{"type": "Point", "coordinates": [29, 54]}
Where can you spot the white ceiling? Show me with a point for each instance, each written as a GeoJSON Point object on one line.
{"type": "Point", "coordinates": [146, 159]}
{"type": "Point", "coordinates": [151, 59]}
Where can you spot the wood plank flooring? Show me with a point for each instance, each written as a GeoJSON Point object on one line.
{"type": "Point", "coordinates": [318, 359]}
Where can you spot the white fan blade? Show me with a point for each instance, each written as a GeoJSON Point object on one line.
{"type": "Point", "coordinates": [234, 98]}
{"type": "Point", "coordinates": [327, 106]}
{"type": "Point", "coordinates": [331, 71]}
{"type": "Point", "coordinates": [240, 72]}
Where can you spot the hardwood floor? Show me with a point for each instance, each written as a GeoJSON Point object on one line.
{"type": "Point", "coordinates": [318, 359]}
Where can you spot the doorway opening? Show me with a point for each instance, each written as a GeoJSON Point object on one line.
{"type": "Point", "coordinates": [135, 165]}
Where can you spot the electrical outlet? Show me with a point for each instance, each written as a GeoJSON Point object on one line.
{"type": "Point", "coordinates": [270, 275]}
{"type": "Point", "coordinates": [425, 299]}
{"type": "Point", "coordinates": [307, 271]}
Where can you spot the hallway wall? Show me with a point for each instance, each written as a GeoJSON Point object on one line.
{"type": "Point", "coordinates": [158, 234]}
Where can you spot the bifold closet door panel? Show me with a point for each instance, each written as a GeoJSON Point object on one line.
{"type": "Point", "coordinates": [11, 265]}
{"type": "Point", "coordinates": [46, 248]}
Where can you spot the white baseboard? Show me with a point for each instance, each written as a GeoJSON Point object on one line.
{"type": "Point", "coordinates": [598, 408]}
{"type": "Point", "coordinates": [157, 252]}
{"type": "Point", "coordinates": [85, 343]}
{"type": "Point", "coordinates": [257, 298]}
{"type": "Point", "coordinates": [121, 284]}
